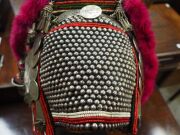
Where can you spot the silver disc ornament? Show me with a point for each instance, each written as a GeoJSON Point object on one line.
{"type": "Point", "coordinates": [91, 11]}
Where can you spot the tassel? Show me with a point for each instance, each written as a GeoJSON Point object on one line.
{"type": "Point", "coordinates": [120, 15]}
{"type": "Point", "coordinates": [42, 21]}
{"type": "Point", "coordinates": [45, 19]}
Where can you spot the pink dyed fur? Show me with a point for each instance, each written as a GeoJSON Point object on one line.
{"type": "Point", "coordinates": [29, 12]}
{"type": "Point", "coordinates": [139, 18]}
{"type": "Point", "coordinates": [137, 14]}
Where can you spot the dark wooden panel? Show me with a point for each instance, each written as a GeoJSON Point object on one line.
{"type": "Point", "coordinates": [4, 7]}
{"type": "Point", "coordinates": [9, 68]}
{"type": "Point", "coordinates": [166, 25]}
{"type": "Point", "coordinates": [175, 4]}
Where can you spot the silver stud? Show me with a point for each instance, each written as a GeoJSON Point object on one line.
{"type": "Point", "coordinates": [103, 102]}
{"type": "Point", "coordinates": [87, 126]}
{"type": "Point", "coordinates": [89, 91]}
{"type": "Point", "coordinates": [93, 107]}
{"type": "Point", "coordinates": [82, 91]}
{"type": "Point", "coordinates": [93, 96]}
{"type": "Point", "coordinates": [79, 108]}
{"type": "Point", "coordinates": [94, 126]}
{"type": "Point", "coordinates": [86, 107]}
{"type": "Point", "coordinates": [101, 126]}
{"type": "Point", "coordinates": [100, 106]}
{"type": "Point", "coordinates": [96, 91]}
{"type": "Point", "coordinates": [97, 102]}
{"type": "Point", "coordinates": [82, 101]}
{"type": "Point", "coordinates": [90, 101]}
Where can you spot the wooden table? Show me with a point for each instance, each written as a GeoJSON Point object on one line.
{"type": "Point", "coordinates": [166, 25]}
{"type": "Point", "coordinates": [9, 69]}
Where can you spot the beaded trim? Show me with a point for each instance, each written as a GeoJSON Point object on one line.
{"type": "Point", "coordinates": [93, 114]}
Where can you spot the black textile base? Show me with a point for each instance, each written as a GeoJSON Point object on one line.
{"type": "Point", "coordinates": [4, 9]}
{"type": "Point", "coordinates": [10, 95]}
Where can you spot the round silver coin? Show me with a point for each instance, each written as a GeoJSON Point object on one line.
{"type": "Point", "coordinates": [91, 11]}
{"type": "Point", "coordinates": [34, 90]}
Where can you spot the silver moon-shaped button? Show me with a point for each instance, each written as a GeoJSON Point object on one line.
{"type": "Point", "coordinates": [91, 11]}
{"type": "Point", "coordinates": [34, 90]}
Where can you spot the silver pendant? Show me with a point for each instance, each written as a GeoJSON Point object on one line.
{"type": "Point", "coordinates": [34, 90]}
{"type": "Point", "coordinates": [91, 11]}
{"type": "Point", "coordinates": [26, 74]}
{"type": "Point", "coordinates": [37, 44]}
{"type": "Point", "coordinates": [34, 60]}
{"type": "Point", "coordinates": [33, 73]}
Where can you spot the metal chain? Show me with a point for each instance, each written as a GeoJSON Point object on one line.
{"type": "Point", "coordinates": [119, 15]}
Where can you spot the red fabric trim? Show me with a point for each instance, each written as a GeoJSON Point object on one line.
{"type": "Point", "coordinates": [49, 128]}
{"type": "Point", "coordinates": [34, 111]}
{"type": "Point", "coordinates": [88, 25]}
{"type": "Point", "coordinates": [135, 122]}
{"type": "Point", "coordinates": [91, 119]}
{"type": "Point", "coordinates": [86, 1]}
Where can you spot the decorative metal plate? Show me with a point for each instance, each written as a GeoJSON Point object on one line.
{"type": "Point", "coordinates": [91, 11]}
{"type": "Point", "coordinates": [33, 73]}
{"type": "Point", "coordinates": [37, 44]}
{"type": "Point", "coordinates": [34, 90]}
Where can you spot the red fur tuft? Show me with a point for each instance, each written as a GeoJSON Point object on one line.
{"type": "Point", "coordinates": [139, 17]}
{"type": "Point", "coordinates": [29, 12]}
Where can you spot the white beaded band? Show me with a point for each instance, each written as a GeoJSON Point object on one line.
{"type": "Point", "coordinates": [93, 114]}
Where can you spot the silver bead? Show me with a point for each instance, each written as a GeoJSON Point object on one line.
{"type": "Point", "coordinates": [96, 102]}
{"type": "Point", "coordinates": [90, 101]}
{"type": "Point", "coordinates": [82, 101]}
{"type": "Point", "coordinates": [96, 91]}
{"type": "Point", "coordinates": [76, 102]}
{"type": "Point", "coordinates": [79, 108]}
{"type": "Point", "coordinates": [93, 107]}
{"type": "Point", "coordinates": [101, 126]}
{"type": "Point", "coordinates": [103, 102]}
{"type": "Point", "coordinates": [94, 126]}
{"type": "Point", "coordinates": [89, 91]}
{"type": "Point", "coordinates": [87, 126]}
{"type": "Point", "coordinates": [100, 106]}
{"type": "Point", "coordinates": [103, 92]}
{"type": "Point", "coordinates": [81, 126]}
{"type": "Point", "coordinates": [109, 126]}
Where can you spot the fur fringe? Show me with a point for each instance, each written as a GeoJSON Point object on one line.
{"type": "Point", "coordinates": [28, 13]}
{"type": "Point", "coordinates": [139, 17]}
